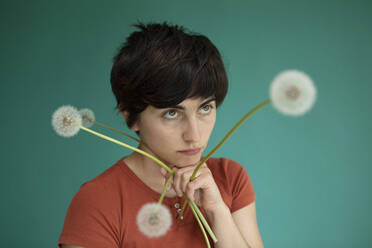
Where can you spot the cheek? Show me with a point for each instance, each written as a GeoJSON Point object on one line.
{"type": "Point", "coordinates": [157, 135]}
{"type": "Point", "coordinates": [209, 125]}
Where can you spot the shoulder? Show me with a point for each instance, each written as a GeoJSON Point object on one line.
{"type": "Point", "coordinates": [233, 178]}
{"type": "Point", "coordinates": [222, 167]}
{"type": "Point", "coordinates": [107, 178]}
{"type": "Point", "coordinates": [226, 172]}
{"type": "Point", "coordinates": [101, 190]}
{"type": "Point", "coordinates": [94, 216]}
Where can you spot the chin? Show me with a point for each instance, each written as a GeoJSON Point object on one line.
{"type": "Point", "coordinates": [189, 161]}
{"type": "Point", "coordinates": [183, 161]}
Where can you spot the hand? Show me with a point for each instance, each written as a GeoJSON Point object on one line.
{"type": "Point", "coordinates": [203, 190]}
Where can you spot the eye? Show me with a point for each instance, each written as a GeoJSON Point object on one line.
{"type": "Point", "coordinates": [171, 114]}
{"type": "Point", "coordinates": [206, 109]}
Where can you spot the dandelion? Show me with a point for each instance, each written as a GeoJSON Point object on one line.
{"type": "Point", "coordinates": [154, 220]}
{"type": "Point", "coordinates": [87, 117]}
{"type": "Point", "coordinates": [292, 92]}
{"type": "Point", "coordinates": [66, 121]}
{"type": "Point", "coordinates": [89, 120]}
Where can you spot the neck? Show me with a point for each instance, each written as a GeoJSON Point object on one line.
{"type": "Point", "coordinates": [145, 168]}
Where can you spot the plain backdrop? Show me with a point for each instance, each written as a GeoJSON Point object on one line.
{"type": "Point", "coordinates": [312, 175]}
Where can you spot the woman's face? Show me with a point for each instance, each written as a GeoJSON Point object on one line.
{"type": "Point", "coordinates": [178, 135]}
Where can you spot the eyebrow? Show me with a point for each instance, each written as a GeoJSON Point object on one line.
{"type": "Point", "coordinates": [201, 105]}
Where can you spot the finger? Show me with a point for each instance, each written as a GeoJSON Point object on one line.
{"type": "Point", "coordinates": [197, 197]}
{"type": "Point", "coordinates": [181, 178]}
{"type": "Point", "coordinates": [203, 166]}
{"type": "Point", "coordinates": [187, 172]}
{"type": "Point", "coordinates": [185, 178]}
{"type": "Point", "coordinates": [202, 182]}
{"type": "Point", "coordinates": [177, 181]}
{"type": "Point", "coordinates": [163, 171]}
{"type": "Point", "coordinates": [169, 186]}
{"type": "Point", "coordinates": [168, 182]}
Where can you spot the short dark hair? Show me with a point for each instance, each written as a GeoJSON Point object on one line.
{"type": "Point", "coordinates": [162, 65]}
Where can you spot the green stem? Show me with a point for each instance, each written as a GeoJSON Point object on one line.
{"type": "Point", "coordinates": [129, 147]}
{"type": "Point", "coordinates": [164, 190]}
{"type": "Point", "coordinates": [204, 221]}
{"type": "Point", "coordinates": [116, 130]}
{"type": "Point", "coordinates": [201, 226]}
{"type": "Point", "coordinates": [228, 135]}
{"type": "Point", "coordinates": [259, 106]}
{"type": "Point", "coordinates": [182, 210]}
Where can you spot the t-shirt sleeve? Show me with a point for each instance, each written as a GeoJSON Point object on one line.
{"type": "Point", "coordinates": [241, 186]}
{"type": "Point", "coordinates": [90, 221]}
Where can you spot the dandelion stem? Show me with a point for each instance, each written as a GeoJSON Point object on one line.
{"type": "Point", "coordinates": [129, 147]}
{"type": "Point", "coordinates": [204, 221]}
{"type": "Point", "coordinates": [182, 210]}
{"type": "Point", "coordinates": [164, 190]}
{"type": "Point", "coordinates": [117, 130]}
{"type": "Point", "coordinates": [228, 135]}
{"type": "Point", "coordinates": [121, 132]}
{"type": "Point", "coordinates": [259, 106]}
{"type": "Point", "coordinates": [201, 226]}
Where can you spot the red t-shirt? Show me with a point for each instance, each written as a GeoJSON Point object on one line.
{"type": "Point", "coordinates": [102, 214]}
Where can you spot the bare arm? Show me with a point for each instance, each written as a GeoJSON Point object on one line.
{"type": "Point", "coordinates": [246, 220]}
{"type": "Point", "coordinates": [238, 229]}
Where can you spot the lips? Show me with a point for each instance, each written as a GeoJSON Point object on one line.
{"type": "Point", "coordinates": [191, 151]}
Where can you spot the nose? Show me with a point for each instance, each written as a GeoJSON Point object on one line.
{"type": "Point", "coordinates": [191, 131]}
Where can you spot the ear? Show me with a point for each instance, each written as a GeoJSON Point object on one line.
{"type": "Point", "coordinates": [125, 115]}
{"type": "Point", "coordinates": [134, 127]}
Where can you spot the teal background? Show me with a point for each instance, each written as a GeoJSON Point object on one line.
{"type": "Point", "coordinates": [311, 174]}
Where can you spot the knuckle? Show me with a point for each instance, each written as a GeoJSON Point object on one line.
{"type": "Point", "coordinates": [184, 177]}
{"type": "Point", "coordinates": [190, 186]}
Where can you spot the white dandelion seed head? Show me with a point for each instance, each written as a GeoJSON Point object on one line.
{"type": "Point", "coordinates": [87, 117]}
{"type": "Point", "coordinates": [66, 121]}
{"type": "Point", "coordinates": [292, 92]}
{"type": "Point", "coordinates": [154, 220]}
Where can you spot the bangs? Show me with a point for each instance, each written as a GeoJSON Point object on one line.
{"type": "Point", "coordinates": [198, 73]}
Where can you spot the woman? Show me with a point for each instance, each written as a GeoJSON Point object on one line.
{"type": "Point", "coordinates": [168, 84]}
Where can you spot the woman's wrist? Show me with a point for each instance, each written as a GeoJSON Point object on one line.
{"type": "Point", "coordinates": [218, 210]}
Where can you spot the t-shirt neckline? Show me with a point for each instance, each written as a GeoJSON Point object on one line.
{"type": "Point", "coordinates": [155, 195]}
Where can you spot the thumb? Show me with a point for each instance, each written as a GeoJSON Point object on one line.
{"type": "Point", "coordinates": [163, 171]}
